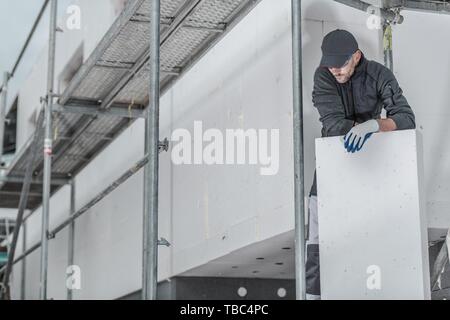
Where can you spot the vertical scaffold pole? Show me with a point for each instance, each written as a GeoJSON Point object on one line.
{"type": "Point", "coordinates": [150, 250]}
{"type": "Point", "coordinates": [48, 146]}
{"type": "Point", "coordinates": [299, 191]}
{"type": "Point", "coordinates": [70, 258]}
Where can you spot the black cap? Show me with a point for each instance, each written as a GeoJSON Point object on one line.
{"type": "Point", "coordinates": [337, 47]}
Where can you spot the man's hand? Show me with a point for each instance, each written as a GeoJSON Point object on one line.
{"type": "Point", "coordinates": [355, 139]}
{"type": "Point", "coordinates": [387, 125]}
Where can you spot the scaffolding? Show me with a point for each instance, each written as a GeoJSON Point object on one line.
{"type": "Point", "coordinates": [149, 46]}
{"type": "Point", "coordinates": [146, 50]}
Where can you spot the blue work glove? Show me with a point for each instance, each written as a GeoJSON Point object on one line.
{"type": "Point", "coordinates": [355, 139]}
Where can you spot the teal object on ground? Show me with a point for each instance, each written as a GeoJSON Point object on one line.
{"type": "Point", "coordinates": [3, 258]}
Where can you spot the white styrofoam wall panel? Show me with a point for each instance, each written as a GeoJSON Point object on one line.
{"type": "Point", "coordinates": [58, 258]}
{"type": "Point", "coordinates": [370, 214]}
{"type": "Point", "coordinates": [427, 92]}
{"type": "Point", "coordinates": [217, 209]}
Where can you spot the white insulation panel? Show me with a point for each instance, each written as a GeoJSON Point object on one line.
{"type": "Point", "coordinates": [372, 228]}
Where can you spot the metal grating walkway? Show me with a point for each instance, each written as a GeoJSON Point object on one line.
{"type": "Point", "coordinates": [110, 90]}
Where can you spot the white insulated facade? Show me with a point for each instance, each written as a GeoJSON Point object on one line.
{"type": "Point", "coordinates": [244, 82]}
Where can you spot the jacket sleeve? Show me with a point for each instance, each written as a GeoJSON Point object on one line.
{"type": "Point", "coordinates": [328, 102]}
{"type": "Point", "coordinates": [396, 105]}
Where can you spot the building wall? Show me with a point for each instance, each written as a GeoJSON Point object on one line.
{"type": "Point", "coordinates": [422, 66]}
{"type": "Point", "coordinates": [96, 17]}
{"type": "Point", "coordinates": [208, 211]}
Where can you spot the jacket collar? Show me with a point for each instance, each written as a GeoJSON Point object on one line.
{"type": "Point", "coordinates": [361, 67]}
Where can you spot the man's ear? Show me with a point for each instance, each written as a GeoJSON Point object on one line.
{"type": "Point", "coordinates": [357, 56]}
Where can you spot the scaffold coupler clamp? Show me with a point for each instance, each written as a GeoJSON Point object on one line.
{"type": "Point", "coordinates": [164, 242]}
{"type": "Point", "coordinates": [164, 145]}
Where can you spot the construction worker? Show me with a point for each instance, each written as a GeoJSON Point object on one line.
{"type": "Point", "coordinates": [350, 93]}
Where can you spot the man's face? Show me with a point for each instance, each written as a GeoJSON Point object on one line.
{"type": "Point", "coordinates": [344, 73]}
